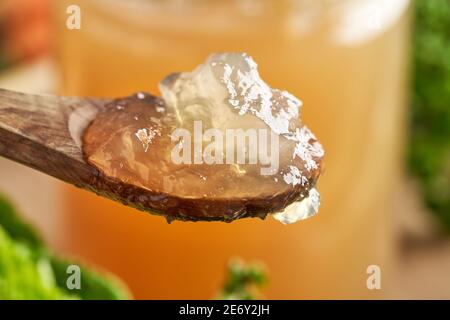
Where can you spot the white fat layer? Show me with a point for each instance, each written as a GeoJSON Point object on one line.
{"type": "Point", "coordinates": [297, 211]}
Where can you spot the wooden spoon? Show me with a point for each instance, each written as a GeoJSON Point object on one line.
{"type": "Point", "coordinates": [44, 132]}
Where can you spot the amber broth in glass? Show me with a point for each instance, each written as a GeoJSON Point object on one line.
{"type": "Point", "coordinates": [346, 60]}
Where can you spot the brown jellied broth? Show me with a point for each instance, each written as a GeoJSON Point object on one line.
{"type": "Point", "coordinates": [218, 133]}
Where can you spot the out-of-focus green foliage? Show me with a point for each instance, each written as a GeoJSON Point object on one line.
{"type": "Point", "coordinates": [94, 286]}
{"type": "Point", "coordinates": [15, 227]}
{"type": "Point", "coordinates": [430, 142]}
{"type": "Point", "coordinates": [4, 63]}
{"type": "Point", "coordinates": [22, 276]}
{"type": "Point", "coordinates": [30, 271]}
{"type": "Point", "coordinates": [243, 281]}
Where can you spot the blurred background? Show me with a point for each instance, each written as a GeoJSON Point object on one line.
{"type": "Point", "coordinates": [374, 76]}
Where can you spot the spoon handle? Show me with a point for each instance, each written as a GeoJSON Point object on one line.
{"type": "Point", "coordinates": [37, 131]}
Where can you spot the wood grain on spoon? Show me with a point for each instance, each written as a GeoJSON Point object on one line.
{"type": "Point", "coordinates": [34, 131]}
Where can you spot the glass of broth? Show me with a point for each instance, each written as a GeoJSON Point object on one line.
{"type": "Point", "coordinates": [345, 59]}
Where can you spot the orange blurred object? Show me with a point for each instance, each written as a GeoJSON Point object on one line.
{"type": "Point", "coordinates": [26, 28]}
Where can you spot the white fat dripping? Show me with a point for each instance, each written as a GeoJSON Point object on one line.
{"type": "Point", "coordinates": [249, 93]}
{"type": "Point", "coordinates": [146, 136]}
{"type": "Point", "coordinates": [304, 149]}
{"type": "Point", "coordinates": [295, 177]}
{"type": "Point", "coordinates": [280, 110]}
{"type": "Point", "coordinates": [302, 210]}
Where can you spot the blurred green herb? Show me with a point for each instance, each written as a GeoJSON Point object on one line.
{"type": "Point", "coordinates": [243, 281]}
{"type": "Point", "coordinates": [4, 63]}
{"type": "Point", "coordinates": [30, 271]}
{"type": "Point", "coordinates": [429, 156]}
